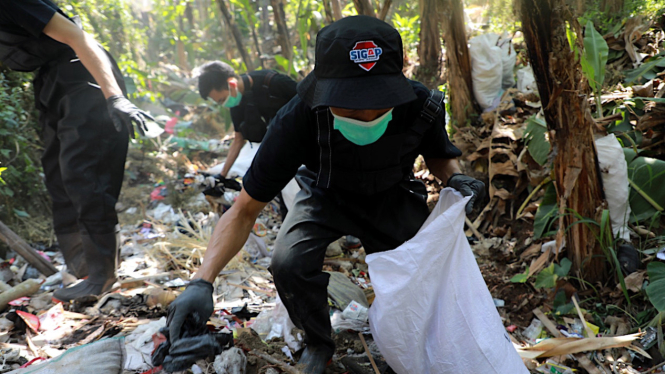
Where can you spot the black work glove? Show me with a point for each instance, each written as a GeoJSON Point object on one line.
{"type": "Point", "coordinates": [190, 311]}
{"type": "Point", "coordinates": [216, 185]}
{"type": "Point", "coordinates": [468, 186]}
{"type": "Point", "coordinates": [124, 113]}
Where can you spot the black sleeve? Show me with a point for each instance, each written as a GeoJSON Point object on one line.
{"type": "Point", "coordinates": [281, 152]}
{"type": "Point", "coordinates": [436, 144]}
{"type": "Point", "coordinates": [283, 86]}
{"type": "Point", "coordinates": [32, 15]}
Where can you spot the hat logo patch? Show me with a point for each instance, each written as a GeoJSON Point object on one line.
{"type": "Point", "coordinates": [365, 54]}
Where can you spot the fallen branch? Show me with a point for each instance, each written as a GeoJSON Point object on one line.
{"type": "Point", "coordinates": [25, 288]}
{"type": "Point", "coordinates": [19, 246]}
{"type": "Point", "coordinates": [285, 367]}
{"type": "Point", "coordinates": [369, 354]}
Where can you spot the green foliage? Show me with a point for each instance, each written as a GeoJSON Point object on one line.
{"type": "Point", "coordinates": [647, 177]}
{"type": "Point", "coordinates": [536, 140]}
{"type": "Point", "coordinates": [521, 278]}
{"type": "Point", "coordinates": [545, 213]}
{"type": "Point", "coordinates": [20, 149]}
{"type": "Point", "coordinates": [656, 288]}
{"type": "Point", "coordinates": [610, 22]}
{"type": "Point", "coordinates": [548, 277]}
{"type": "Point", "coordinates": [648, 70]}
{"type": "Point", "coordinates": [595, 54]}
{"type": "Point", "coordinates": [409, 29]}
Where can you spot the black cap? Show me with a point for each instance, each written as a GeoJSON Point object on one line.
{"type": "Point", "coordinates": [358, 65]}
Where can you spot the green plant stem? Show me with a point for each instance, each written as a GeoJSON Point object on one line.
{"type": "Point", "coordinates": [532, 194]}
{"type": "Point", "coordinates": [585, 282]}
{"type": "Point", "coordinates": [645, 196]}
{"type": "Point", "coordinates": [599, 105]}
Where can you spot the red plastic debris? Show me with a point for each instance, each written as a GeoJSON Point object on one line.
{"type": "Point", "coordinates": [20, 301]}
{"type": "Point", "coordinates": [30, 319]}
{"type": "Point", "coordinates": [511, 328]}
{"type": "Point", "coordinates": [32, 362]}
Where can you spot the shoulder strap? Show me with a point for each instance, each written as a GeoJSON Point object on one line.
{"type": "Point", "coordinates": [267, 79]}
{"type": "Point", "coordinates": [323, 134]}
{"type": "Point", "coordinates": [433, 106]}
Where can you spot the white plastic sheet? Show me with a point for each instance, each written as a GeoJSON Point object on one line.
{"type": "Point", "coordinates": [508, 60]}
{"type": "Point", "coordinates": [432, 312]}
{"type": "Point", "coordinates": [614, 171]}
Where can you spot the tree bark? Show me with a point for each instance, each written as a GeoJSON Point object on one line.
{"type": "Point", "coordinates": [562, 90]}
{"type": "Point", "coordinates": [236, 35]}
{"type": "Point", "coordinates": [328, 10]}
{"type": "Point", "coordinates": [460, 88]}
{"type": "Point", "coordinates": [337, 9]}
{"type": "Point", "coordinates": [429, 49]}
{"type": "Point", "coordinates": [385, 9]}
{"type": "Point", "coordinates": [283, 31]}
{"type": "Point", "coordinates": [364, 7]}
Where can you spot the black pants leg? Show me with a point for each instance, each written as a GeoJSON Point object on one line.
{"type": "Point", "coordinates": [84, 155]}
{"type": "Point", "coordinates": [321, 216]}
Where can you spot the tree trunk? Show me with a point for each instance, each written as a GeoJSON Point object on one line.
{"type": "Point", "coordinates": [562, 93]}
{"type": "Point", "coordinates": [385, 9]}
{"type": "Point", "coordinates": [364, 7]}
{"type": "Point", "coordinates": [611, 7]}
{"type": "Point", "coordinates": [236, 34]}
{"type": "Point", "coordinates": [429, 50]}
{"type": "Point", "coordinates": [280, 20]}
{"type": "Point", "coordinates": [337, 9]}
{"type": "Point", "coordinates": [458, 62]}
{"type": "Point", "coordinates": [328, 11]}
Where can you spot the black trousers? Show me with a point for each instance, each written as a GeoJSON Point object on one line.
{"type": "Point", "coordinates": [84, 156]}
{"type": "Point", "coordinates": [321, 216]}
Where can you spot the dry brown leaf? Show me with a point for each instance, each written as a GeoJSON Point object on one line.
{"type": "Point", "coordinates": [634, 281]}
{"type": "Point", "coordinates": [539, 263]}
{"type": "Point", "coordinates": [563, 346]}
{"type": "Point", "coordinates": [533, 250]}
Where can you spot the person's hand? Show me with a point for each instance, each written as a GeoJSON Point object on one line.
{"type": "Point", "coordinates": [190, 311]}
{"type": "Point", "coordinates": [124, 113]}
{"type": "Point", "coordinates": [468, 186]}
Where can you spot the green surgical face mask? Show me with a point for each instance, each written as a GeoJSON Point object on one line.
{"type": "Point", "coordinates": [231, 101]}
{"type": "Point", "coordinates": [361, 132]}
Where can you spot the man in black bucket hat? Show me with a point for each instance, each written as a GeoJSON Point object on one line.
{"type": "Point", "coordinates": [357, 125]}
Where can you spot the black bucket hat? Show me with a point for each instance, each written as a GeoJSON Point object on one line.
{"type": "Point", "coordinates": [358, 65]}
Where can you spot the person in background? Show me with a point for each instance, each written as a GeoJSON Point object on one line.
{"type": "Point", "coordinates": [85, 121]}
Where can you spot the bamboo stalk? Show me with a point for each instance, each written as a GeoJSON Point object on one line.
{"type": "Point", "coordinates": [371, 359]}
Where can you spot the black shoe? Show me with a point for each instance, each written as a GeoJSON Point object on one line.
{"type": "Point", "coordinates": [315, 359]}
{"type": "Point", "coordinates": [101, 257]}
{"type": "Point", "coordinates": [71, 247]}
{"type": "Point", "coordinates": [629, 258]}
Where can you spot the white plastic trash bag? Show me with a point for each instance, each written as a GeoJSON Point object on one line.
{"type": "Point", "coordinates": [486, 68]}
{"type": "Point", "coordinates": [432, 312]}
{"type": "Point", "coordinates": [526, 81]}
{"type": "Point", "coordinates": [614, 171]}
{"type": "Point", "coordinates": [242, 163]}
{"type": "Point", "coordinates": [508, 60]}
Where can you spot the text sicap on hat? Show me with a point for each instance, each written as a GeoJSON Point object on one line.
{"type": "Point", "coordinates": [358, 65]}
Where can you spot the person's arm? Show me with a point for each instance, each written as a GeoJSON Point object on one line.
{"type": "Point", "coordinates": [229, 236]}
{"type": "Point", "coordinates": [443, 168]}
{"type": "Point", "coordinates": [234, 150]}
{"type": "Point", "coordinates": [92, 57]}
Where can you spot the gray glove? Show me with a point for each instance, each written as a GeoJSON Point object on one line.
{"type": "Point", "coordinates": [468, 186]}
{"type": "Point", "coordinates": [124, 113]}
{"type": "Point", "coordinates": [190, 311]}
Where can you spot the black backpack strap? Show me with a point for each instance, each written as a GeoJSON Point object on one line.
{"type": "Point", "coordinates": [323, 135]}
{"type": "Point", "coordinates": [433, 106]}
{"type": "Point", "coordinates": [266, 82]}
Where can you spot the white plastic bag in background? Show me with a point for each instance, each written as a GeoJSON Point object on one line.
{"type": "Point", "coordinates": [614, 171]}
{"type": "Point", "coordinates": [242, 163]}
{"type": "Point", "coordinates": [508, 60]}
{"type": "Point", "coordinates": [432, 312]}
{"type": "Point", "coordinates": [486, 68]}
{"type": "Point", "coordinates": [278, 324]}
{"type": "Point", "coordinates": [526, 81]}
